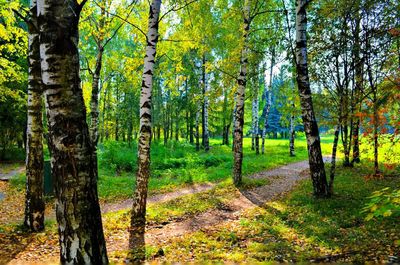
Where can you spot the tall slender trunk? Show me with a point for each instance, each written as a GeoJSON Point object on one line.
{"type": "Point", "coordinates": [138, 216]}
{"type": "Point", "coordinates": [206, 141]}
{"type": "Point", "coordinates": [94, 100]}
{"type": "Point", "coordinates": [117, 94]}
{"type": "Point", "coordinates": [191, 136]}
{"type": "Point", "coordinates": [177, 125]}
{"type": "Point", "coordinates": [34, 202]}
{"type": "Point", "coordinates": [291, 136]}
{"type": "Point", "coordinates": [255, 129]}
{"type": "Point", "coordinates": [225, 126]}
{"type": "Point", "coordinates": [130, 128]}
{"type": "Point", "coordinates": [187, 110]}
{"type": "Point", "coordinates": [240, 97]}
{"type": "Point", "coordinates": [357, 91]}
{"type": "Point", "coordinates": [333, 159]}
{"type": "Point", "coordinates": [257, 143]}
{"type": "Point", "coordinates": [316, 162]}
{"type": "Point", "coordinates": [197, 131]}
{"type": "Point", "coordinates": [187, 125]}
{"type": "Point", "coordinates": [73, 164]}
{"type": "Point", "coordinates": [345, 128]}
{"type": "Point", "coordinates": [233, 122]}
{"type": "Point", "coordinates": [376, 135]}
{"type": "Point", "coordinates": [171, 125]}
{"type": "Point", "coordinates": [268, 95]}
{"type": "Point", "coordinates": [103, 116]}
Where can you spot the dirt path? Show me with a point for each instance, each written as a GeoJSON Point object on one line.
{"type": "Point", "coordinates": [281, 180]}
{"type": "Point", "coordinates": [12, 173]}
{"type": "Point", "coordinates": [126, 204]}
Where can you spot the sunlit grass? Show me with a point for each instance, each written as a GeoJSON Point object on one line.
{"type": "Point", "coordinates": [178, 164]}
{"type": "Point", "coordinates": [300, 228]}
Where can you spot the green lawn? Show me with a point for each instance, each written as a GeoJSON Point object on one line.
{"type": "Point", "coordinates": [178, 164]}
{"type": "Point", "coordinates": [296, 227]}
{"type": "Point", "coordinates": [300, 228]}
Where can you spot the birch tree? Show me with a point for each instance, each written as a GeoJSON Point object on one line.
{"type": "Point", "coordinates": [316, 162]}
{"type": "Point", "coordinates": [34, 201]}
{"type": "Point", "coordinates": [138, 216]}
{"type": "Point", "coordinates": [73, 164]}
{"type": "Point", "coordinates": [206, 141]}
{"type": "Point", "coordinates": [254, 116]}
{"type": "Point", "coordinates": [240, 93]}
{"type": "Point", "coordinates": [268, 98]}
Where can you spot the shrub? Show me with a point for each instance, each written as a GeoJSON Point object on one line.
{"type": "Point", "coordinates": [383, 203]}
{"type": "Point", "coordinates": [117, 155]}
{"type": "Point", "coordinates": [213, 160]}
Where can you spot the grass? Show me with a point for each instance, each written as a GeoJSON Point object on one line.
{"type": "Point", "coordinates": [8, 167]}
{"type": "Point", "coordinates": [184, 206]}
{"type": "Point", "coordinates": [294, 228]}
{"type": "Point", "coordinates": [300, 228]}
{"type": "Point", "coordinates": [178, 164]}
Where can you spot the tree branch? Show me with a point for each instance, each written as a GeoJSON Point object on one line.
{"type": "Point", "coordinates": [123, 19]}
{"type": "Point", "coordinates": [176, 9]}
{"type": "Point", "coordinates": [224, 72]}
{"type": "Point", "coordinates": [26, 20]}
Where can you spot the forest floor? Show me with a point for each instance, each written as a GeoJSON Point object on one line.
{"type": "Point", "coordinates": [280, 180]}
{"type": "Point", "coordinates": [261, 221]}
{"type": "Point", "coordinates": [7, 171]}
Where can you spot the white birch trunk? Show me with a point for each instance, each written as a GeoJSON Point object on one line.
{"type": "Point", "coordinates": [73, 164]}
{"type": "Point", "coordinates": [240, 97]}
{"type": "Point", "coordinates": [317, 168]}
{"type": "Point", "coordinates": [34, 201]}
{"type": "Point", "coordinates": [138, 217]}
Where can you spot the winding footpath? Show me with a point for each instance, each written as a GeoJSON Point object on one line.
{"type": "Point", "coordinates": [280, 181]}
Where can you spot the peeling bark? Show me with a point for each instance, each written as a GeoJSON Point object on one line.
{"type": "Point", "coordinates": [73, 164]}
{"type": "Point", "coordinates": [94, 100]}
{"type": "Point", "coordinates": [316, 162]}
{"type": "Point", "coordinates": [34, 201]}
{"type": "Point", "coordinates": [240, 97]}
{"type": "Point", "coordinates": [138, 216]}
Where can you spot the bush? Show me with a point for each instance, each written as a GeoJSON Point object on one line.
{"type": "Point", "coordinates": [383, 203]}
{"type": "Point", "coordinates": [213, 160]}
{"type": "Point", "coordinates": [118, 156]}
{"type": "Point", "coordinates": [13, 154]}
{"type": "Point", "coordinates": [170, 163]}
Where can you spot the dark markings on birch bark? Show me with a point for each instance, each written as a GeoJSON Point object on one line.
{"type": "Point", "coordinates": [255, 129]}
{"type": "Point", "coordinates": [205, 141]}
{"type": "Point", "coordinates": [333, 159]}
{"type": "Point", "coordinates": [73, 165]}
{"type": "Point", "coordinates": [292, 136]}
{"type": "Point", "coordinates": [34, 201]}
{"type": "Point", "coordinates": [138, 216]}
{"type": "Point", "coordinates": [94, 100]}
{"type": "Point", "coordinates": [197, 130]}
{"type": "Point", "coordinates": [240, 97]}
{"type": "Point", "coordinates": [317, 168]}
